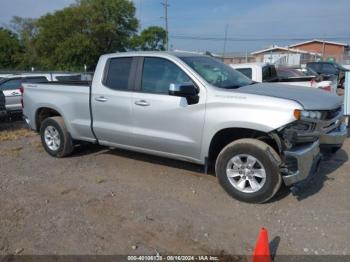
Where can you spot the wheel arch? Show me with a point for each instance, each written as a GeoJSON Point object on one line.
{"type": "Point", "coordinates": [227, 135]}
{"type": "Point", "coordinates": [43, 113]}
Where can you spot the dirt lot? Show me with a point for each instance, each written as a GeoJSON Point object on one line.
{"type": "Point", "coordinates": [102, 201]}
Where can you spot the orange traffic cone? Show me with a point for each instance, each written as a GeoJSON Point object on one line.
{"type": "Point", "coordinates": [262, 249]}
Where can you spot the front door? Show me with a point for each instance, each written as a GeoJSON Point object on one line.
{"type": "Point", "coordinates": [165, 123]}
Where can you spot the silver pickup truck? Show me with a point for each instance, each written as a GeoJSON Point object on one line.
{"type": "Point", "coordinates": [197, 109]}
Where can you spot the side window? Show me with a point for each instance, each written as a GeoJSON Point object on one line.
{"type": "Point", "coordinates": [329, 69]}
{"type": "Point", "coordinates": [246, 71]}
{"type": "Point", "coordinates": [118, 73]}
{"type": "Point", "coordinates": [269, 73]}
{"type": "Point", "coordinates": [35, 79]}
{"type": "Point", "coordinates": [315, 67]}
{"type": "Point", "coordinates": [159, 73]}
{"type": "Point", "coordinates": [11, 84]}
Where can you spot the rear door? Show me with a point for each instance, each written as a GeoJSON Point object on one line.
{"type": "Point", "coordinates": [164, 123]}
{"type": "Point", "coordinates": [111, 102]}
{"type": "Point", "coordinates": [12, 94]}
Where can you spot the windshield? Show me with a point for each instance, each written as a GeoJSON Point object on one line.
{"type": "Point", "coordinates": [289, 73]}
{"type": "Point", "coordinates": [217, 73]}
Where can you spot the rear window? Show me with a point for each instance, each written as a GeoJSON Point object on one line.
{"type": "Point", "coordinates": [269, 73]}
{"type": "Point", "coordinates": [329, 69]}
{"type": "Point", "coordinates": [289, 73]}
{"type": "Point", "coordinates": [245, 71]}
{"type": "Point", "coordinates": [35, 79]}
{"type": "Point", "coordinates": [118, 73]}
{"type": "Point", "coordinates": [11, 84]}
{"type": "Point", "coordinates": [315, 66]}
{"type": "Point", "coordinates": [69, 78]}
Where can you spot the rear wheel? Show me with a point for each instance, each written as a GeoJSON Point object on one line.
{"type": "Point", "coordinates": [248, 170]}
{"type": "Point", "coordinates": [55, 137]}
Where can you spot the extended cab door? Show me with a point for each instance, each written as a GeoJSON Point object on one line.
{"type": "Point", "coordinates": [111, 102]}
{"type": "Point", "coordinates": [164, 123]}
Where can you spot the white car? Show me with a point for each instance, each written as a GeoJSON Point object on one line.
{"type": "Point", "coordinates": [263, 72]}
{"type": "Point", "coordinates": [11, 84]}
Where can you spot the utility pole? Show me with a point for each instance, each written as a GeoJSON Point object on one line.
{"type": "Point", "coordinates": [225, 41]}
{"type": "Point", "coordinates": [166, 5]}
{"type": "Point", "coordinates": [140, 14]}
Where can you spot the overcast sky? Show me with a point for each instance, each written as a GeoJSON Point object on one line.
{"type": "Point", "coordinates": [208, 18]}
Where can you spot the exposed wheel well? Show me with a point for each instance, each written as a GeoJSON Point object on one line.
{"type": "Point", "coordinates": [226, 136]}
{"type": "Point", "coordinates": [44, 113]}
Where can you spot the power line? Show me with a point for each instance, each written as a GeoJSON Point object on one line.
{"type": "Point", "coordinates": [166, 5]}
{"type": "Point", "coordinates": [244, 39]}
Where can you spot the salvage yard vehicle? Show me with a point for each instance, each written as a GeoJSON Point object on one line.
{"type": "Point", "coordinates": [11, 85]}
{"type": "Point", "coordinates": [330, 68]}
{"type": "Point", "coordinates": [263, 72]}
{"type": "Point", "coordinates": [11, 89]}
{"type": "Point", "coordinates": [317, 81]}
{"type": "Point", "coordinates": [2, 105]}
{"type": "Point", "coordinates": [193, 108]}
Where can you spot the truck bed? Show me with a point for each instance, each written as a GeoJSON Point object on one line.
{"type": "Point", "coordinates": [71, 99]}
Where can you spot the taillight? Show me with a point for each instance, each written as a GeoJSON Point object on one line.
{"type": "Point", "coordinates": [326, 88]}
{"type": "Point", "coordinates": [21, 90]}
{"type": "Point", "coordinates": [312, 82]}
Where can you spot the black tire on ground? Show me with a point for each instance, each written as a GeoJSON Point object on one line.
{"type": "Point", "coordinates": [263, 153]}
{"type": "Point", "coordinates": [335, 149]}
{"type": "Point", "coordinates": [66, 145]}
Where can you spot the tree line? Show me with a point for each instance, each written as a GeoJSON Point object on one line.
{"type": "Point", "coordinates": [75, 36]}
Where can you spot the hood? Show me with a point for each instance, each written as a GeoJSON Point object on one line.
{"type": "Point", "coordinates": [310, 98]}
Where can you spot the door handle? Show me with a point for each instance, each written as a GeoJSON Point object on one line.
{"type": "Point", "coordinates": [142, 103]}
{"type": "Point", "coordinates": [101, 99]}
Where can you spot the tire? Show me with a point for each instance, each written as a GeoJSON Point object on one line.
{"type": "Point", "coordinates": [55, 137]}
{"type": "Point", "coordinates": [267, 163]}
{"type": "Point", "coordinates": [335, 149]}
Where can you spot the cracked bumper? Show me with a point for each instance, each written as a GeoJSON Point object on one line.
{"type": "Point", "coordinates": [336, 137]}
{"type": "Point", "coordinates": [304, 161]}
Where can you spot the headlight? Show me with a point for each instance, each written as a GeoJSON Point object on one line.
{"type": "Point", "coordinates": [299, 114]}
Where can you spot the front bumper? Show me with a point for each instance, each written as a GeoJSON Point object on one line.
{"type": "Point", "coordinates": [335, 137]}
{"type": "Point", "coordinates": [302, 162]}
{"type": "Point", "coordinates": [3, 113]}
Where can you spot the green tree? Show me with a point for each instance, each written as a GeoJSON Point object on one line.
{"type": "Point", "coordinates": [26, 30]}
{"type": "Point", "coordinates": [79, 34]}
{"type": "Point", "coordinates": [151, 39]}
{"type": "Point", "coordinates": [9, 48]}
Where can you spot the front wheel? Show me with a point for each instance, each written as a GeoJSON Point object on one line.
{"type": "Point", "coordinates": [248, 170]}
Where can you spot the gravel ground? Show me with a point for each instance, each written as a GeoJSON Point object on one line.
{"type": "Point", "coordinates": [102, 201]}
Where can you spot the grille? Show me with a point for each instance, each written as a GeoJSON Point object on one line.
{"type": "Point", "coordinates": [332, 113]}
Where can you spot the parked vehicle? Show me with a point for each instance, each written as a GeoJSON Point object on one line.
{"type": "Point", "coordinates": [263, 72]}
{"type": "Point", "coordinates": [11, 85]}
{"type": "Point", "coordinates": [2, 105]}
{"type": "Point", "coordinates": [11, 90]}
{"type": "Point", "coordinates": [310, 79]}
{"type": "Point", "coordinates": [192, 108]}
{"type": "Point", "coordinates": [329, 68]}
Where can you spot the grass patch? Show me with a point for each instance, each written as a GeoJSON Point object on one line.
{"type": "Point", "coordinates": [10, 135]}
{"type": "Point", "coordinates": [100, 180]}
{"type": "Point", "coordinates": [12, 152]}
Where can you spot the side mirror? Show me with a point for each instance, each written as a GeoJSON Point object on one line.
{"type": "Point", "coordinates": [187, 90]}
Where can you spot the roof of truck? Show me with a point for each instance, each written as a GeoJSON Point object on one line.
{"type": "Point", "coordinates": [164, 53]}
